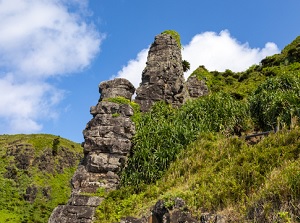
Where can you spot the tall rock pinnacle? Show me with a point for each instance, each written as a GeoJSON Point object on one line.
{"type": "Point", "coordinates": [162, 79]}
{"type": "Point", "coordinates": [106, 147]}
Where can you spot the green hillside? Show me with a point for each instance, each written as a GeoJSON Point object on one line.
{"type": "Point", "coordinates": [224, 175]}
{"type": "Point", "coordinates": [35, 173]}
{"type": "Point", "coordinates": [242, 84]}
{"type": "Point", "coordinates": [199, 153]}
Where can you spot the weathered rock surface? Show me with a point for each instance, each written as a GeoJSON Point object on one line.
{"type": "Point", "coordinates": [106, 147]}
{"type": "Point", "coordinates": [176, 213]}
{"type": "Point", "coordinates": [72, 214]}
{"type": "Point", "coordinates": [195, 87]}
{"type": "Point", "coordinates": [212, 218]}
{"type": "Point", "coordinates": [23, 154]}
{"type": "Point", "coordinates": [162, 79]}
{"type": "Point", "coordinates": [117, 87]}
{"type": "Point", "coordinates": [31, 193]}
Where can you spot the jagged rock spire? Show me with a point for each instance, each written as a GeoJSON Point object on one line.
{"type": "Point", "coordinates": [162, 79]}
{"type": "Point", "coordinates": [107, 143]}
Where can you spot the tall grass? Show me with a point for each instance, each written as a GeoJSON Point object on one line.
{"type": "Point", "coordinates": [164, 131]}
{"type": "Point", "coordinates": [276, 101]}
{"type": "Point", "coordinates": [217, 174]}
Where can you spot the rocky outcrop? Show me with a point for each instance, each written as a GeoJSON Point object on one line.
{"type": "Point", "coordinates": [118, 87]}
{"type": "Point", "coordinates": [106, 146]}
{"type": "Point", "coordinates": [195, 87]}
{"type": "Point", "coordinates": [175, 213]}
{"type": "Point", "coordinates": [162, 79]}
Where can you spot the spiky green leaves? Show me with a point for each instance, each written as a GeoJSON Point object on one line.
{"type": "Point", "coordinates": [276, 102]}
{"type": "Point", "coordinates": [186, 65]}
{"type": "Point", "coordinates": [164, 131]}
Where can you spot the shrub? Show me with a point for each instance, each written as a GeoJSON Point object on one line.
{"type": "Point", "coordinates": [55, 144]}
{"type": "Point", "coordinates": [175, 35]}
{"type": "Point", "coordinates": [276, 102]}
{"type": "Point", "coordinates": [164, 131]}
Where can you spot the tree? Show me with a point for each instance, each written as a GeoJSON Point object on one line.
{"type": "Point", "coordinates": [186, 65]}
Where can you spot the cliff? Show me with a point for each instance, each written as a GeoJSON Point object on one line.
{"type": "Point", "coordinates": [35, 171]}
{"type": "Point", "coordinates": [162, 79]}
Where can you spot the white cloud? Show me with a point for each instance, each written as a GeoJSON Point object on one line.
{"type": "Point", "coordinates": [214, 51]}
{"type": "Point", "coordinates": [40, 39]}
{"type": "Point", "coordinates": [24, 103]}
{"type": "Point", "coordinates": [133, 70]}
{"type": "Point", "coordinates": [222, 51]}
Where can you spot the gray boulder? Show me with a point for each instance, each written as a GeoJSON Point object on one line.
{"type": "Point", "coordinates": [195, 87]}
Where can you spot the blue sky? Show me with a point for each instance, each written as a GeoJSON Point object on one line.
{"type": "Point", "coordinates": [54, 53]}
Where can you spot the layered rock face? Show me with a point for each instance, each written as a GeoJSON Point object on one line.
{"type": "Point", "coordinates": [106, 146]}
{"type": "Point", "coordinates": [162, 79]}
{"type": "Point", "coordinates": [195, 87]}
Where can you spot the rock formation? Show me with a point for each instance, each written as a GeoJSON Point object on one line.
{"type": "Point", "coordinates": [162, 79]}
{"type": "Point", "coordinates": [195, 87]}
{"type": "Point", "coordinates": [108, 135]}
{"type": "Point", "coordinates": [176, 213]}
{"type": "Point", "coordinates": [106, 146]}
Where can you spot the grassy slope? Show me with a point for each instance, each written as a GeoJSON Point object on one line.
{"type": "Point", "coordinates": [241, 84]}
{"type": "Point", "coordinates": [35, 167]}
{"type": "Point", "coordinates": [224, 175]}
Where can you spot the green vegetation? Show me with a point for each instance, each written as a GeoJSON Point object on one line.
{"type": "Point", "coordinates": [35, 175]}
{"type": "Point", "coordinates": [175, 35]}
{"type": "Point", "coordinates": [224, 175]}
{"type": "Point", "coordinates": [121, 100]}
{"type": "Point", "coordinates": [290, 54]}
{"type": "Point", "coordinates": [242, 84]}
{"type": "Point", "coordinates": [276, 102]}
{"type": "Point", "coordinates": [157, 145]}
{"type": "Point", "coordinates": [186, 65]}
